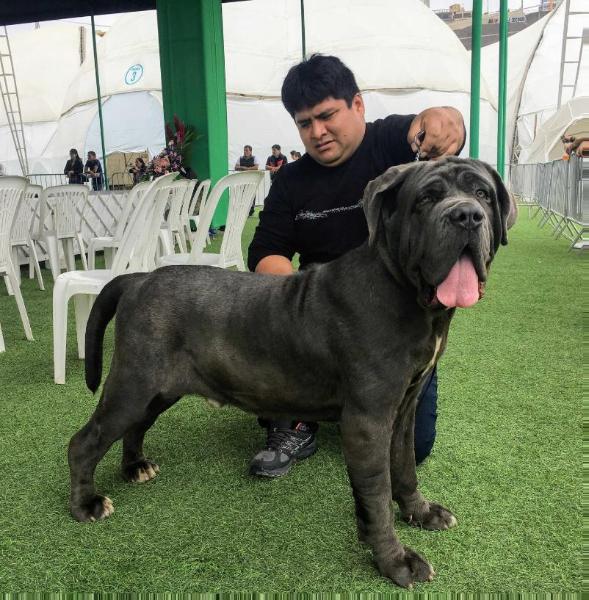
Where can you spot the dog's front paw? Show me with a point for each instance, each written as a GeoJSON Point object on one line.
{"type": "Point", "coordinates": [406, 568]}
{"type": "Point", "coordinates": [434, 517]}
{"type": "Point", "coordinates": [140, 471]}
{"type": "Point", "coordinates": [98, 507]}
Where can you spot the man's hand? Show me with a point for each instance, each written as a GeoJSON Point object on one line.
{"type": "Point", "coordinates": [443, 132]}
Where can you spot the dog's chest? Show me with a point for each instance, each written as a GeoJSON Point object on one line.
{"type": "Point", "coordinates": [436, 353]}
{"type": "Point", "coordinates": [429, 359]}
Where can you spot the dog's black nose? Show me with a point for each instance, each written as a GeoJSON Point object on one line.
{"type": "Point", "coordinates": [469, 216]}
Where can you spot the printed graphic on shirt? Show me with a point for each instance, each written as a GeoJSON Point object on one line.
{"type": "Point", "coordinates": [309, 215]}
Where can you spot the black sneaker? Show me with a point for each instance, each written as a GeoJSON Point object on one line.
{"type": "Point", "coordinates": [283, 448]}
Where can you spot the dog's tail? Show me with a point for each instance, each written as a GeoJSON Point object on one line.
{"type": "Point", "coordinates": [103, 310]}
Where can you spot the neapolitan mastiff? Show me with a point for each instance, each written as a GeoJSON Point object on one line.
{"type": "Point", "coordinates": [352, 341]}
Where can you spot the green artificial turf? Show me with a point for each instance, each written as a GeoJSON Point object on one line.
{"type": "Point", "coordinates": [507, 461]}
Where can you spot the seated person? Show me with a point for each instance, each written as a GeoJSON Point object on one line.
{"type": "Point", "coordinates": [138, 170]}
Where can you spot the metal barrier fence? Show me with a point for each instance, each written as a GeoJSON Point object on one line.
{"type": "Point", "coordinates": [116, 181]}
{"type": "Point", "coordinates": [47, 179]}
{"type": "Point", "coordinates": [120, 180]}
{"type": "Point", "coordinates": [559, 191]}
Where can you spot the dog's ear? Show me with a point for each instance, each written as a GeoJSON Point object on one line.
{"type": "Point", "coordinates": [507, 208]}
{"type": "Point", "coordinates": [513, 212]}
{"type": "Point", "coordinates": [380, 190]}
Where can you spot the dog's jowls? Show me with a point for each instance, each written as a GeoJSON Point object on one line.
{"type": "Point", "coordinates": [352, 340]}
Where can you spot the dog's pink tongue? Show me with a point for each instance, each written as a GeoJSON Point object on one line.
{"type": "Point", "coordinates": [461, 287]}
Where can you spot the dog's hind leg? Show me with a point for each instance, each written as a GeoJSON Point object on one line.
{"type": "Point", "coordinates": [365, 439]}
{"type": "Point", "coordinates": [414, 507]}
{"type": "Point", "coordinates": [135, 467]}
{"type": "Point", "coordinates": [122, 406]}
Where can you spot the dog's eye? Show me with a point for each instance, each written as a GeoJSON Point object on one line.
{"type": "Point", "coordinates": [481, 194]}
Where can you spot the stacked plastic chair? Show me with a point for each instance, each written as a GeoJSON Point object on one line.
{"type": "Point", "coordinates": [242, 191]}
{"type": "Point", "coordinates": [12, 190]}
{"type": "Point", "coordinates": [136, 253]}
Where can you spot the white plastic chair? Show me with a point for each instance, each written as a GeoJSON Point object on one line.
{"type": "Point", "coordinates": [110, 243]}
{"type": "Point", "coordinates": [20, 236]}
{"type": "Point", "coordinates": [192, 208]}
{"type": "Point", "coordinates": [66, 204]}
{"type": "Point", "coordinates": [11, 192]}
{"type": "Point", "coordinates": [136, 253]}
{"type": "Point", "coordinates": [173, 230]}
{"type": "Point", "coordinates": [242, 189]}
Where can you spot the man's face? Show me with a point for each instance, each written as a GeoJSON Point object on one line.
{"type": "Point", "coordinates": [275, 152]}
{"type": "Point", "coordinates": [247, 152]}
{"type": "Point", "coordinates": [330, 131]}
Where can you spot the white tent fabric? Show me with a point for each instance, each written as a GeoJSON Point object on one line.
{"type": "Point", "coordinates": [128, 58]}
{"type": "Point", "coordinates": [572, 117]}
{"type": "Point", "coordinates": [521, 47]}
{"type": "Point", "coordinates": [534, 59]}
{"type": "Point", "coordinates": [388, 45]}
{"type": "Point", "coordinates": [45, 60]}
{"type": "Point", "coordinates": [540, 91]}
{"type": "Point", "coordinates": [404, 57]}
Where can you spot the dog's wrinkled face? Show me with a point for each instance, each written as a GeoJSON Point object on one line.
{"type": "Point", "coordinates": [439, 224]}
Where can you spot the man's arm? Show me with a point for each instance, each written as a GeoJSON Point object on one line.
{"type": "Point", "coordinates": [443, 132]}
{"type": "Point", "coordinates": [274, 241]}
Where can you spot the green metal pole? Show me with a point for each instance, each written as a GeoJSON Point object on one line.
{"type": "Point", "coordinates": [99, 101]}
{"type": "Point", "coordinates": [502, 114]}
{"type": "Point", "coordinates": [192, 63]}
{"type": "Point", "coordinates": [475, 77]}
{"type": "Point", "coordinates": [303, 29]}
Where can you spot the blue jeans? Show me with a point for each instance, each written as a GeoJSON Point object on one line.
{"type": "Point", "coordinates": [425, 419]}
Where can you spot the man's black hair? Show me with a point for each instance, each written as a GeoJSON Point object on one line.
{"type": "Point", "coordinates": [248, 147]}
{"type": "Point", "coordinates": [315, 79]}
{"type": "Point", "coordinates": [276, 146]}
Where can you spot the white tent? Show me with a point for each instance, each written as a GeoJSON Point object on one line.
{"type": "Point", "coordinates": [572, 118]}
{"type": "Point", "coordinates": [45, 62]}
{"type": "Point", "coordinates": [405, 59]}
{"type": "Point", "coordinates": [534, 63]}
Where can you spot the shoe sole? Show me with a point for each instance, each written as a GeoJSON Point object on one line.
{"type": "Point", "coordinates": [275, 473]}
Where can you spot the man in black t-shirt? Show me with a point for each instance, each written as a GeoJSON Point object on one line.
{"type": "Point", "coordinates": [93, 170]}
{"type": "Point", "coordinates": [275, 161]}
{"type": "Point", "coordinates": [314, 207]}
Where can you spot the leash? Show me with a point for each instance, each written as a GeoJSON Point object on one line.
{"type": "Point", "coordinates": [417, 140]}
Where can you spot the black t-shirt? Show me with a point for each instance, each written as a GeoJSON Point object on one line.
{"type": "Point", "coordinates": [316, 210]}
{"type": "Point", "coordinates": [93, 164]}
{"type": "Point", "coordinates": [276, 161]}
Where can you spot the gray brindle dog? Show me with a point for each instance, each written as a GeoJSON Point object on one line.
{"type": "Point", "coordinates": [351, 341]}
